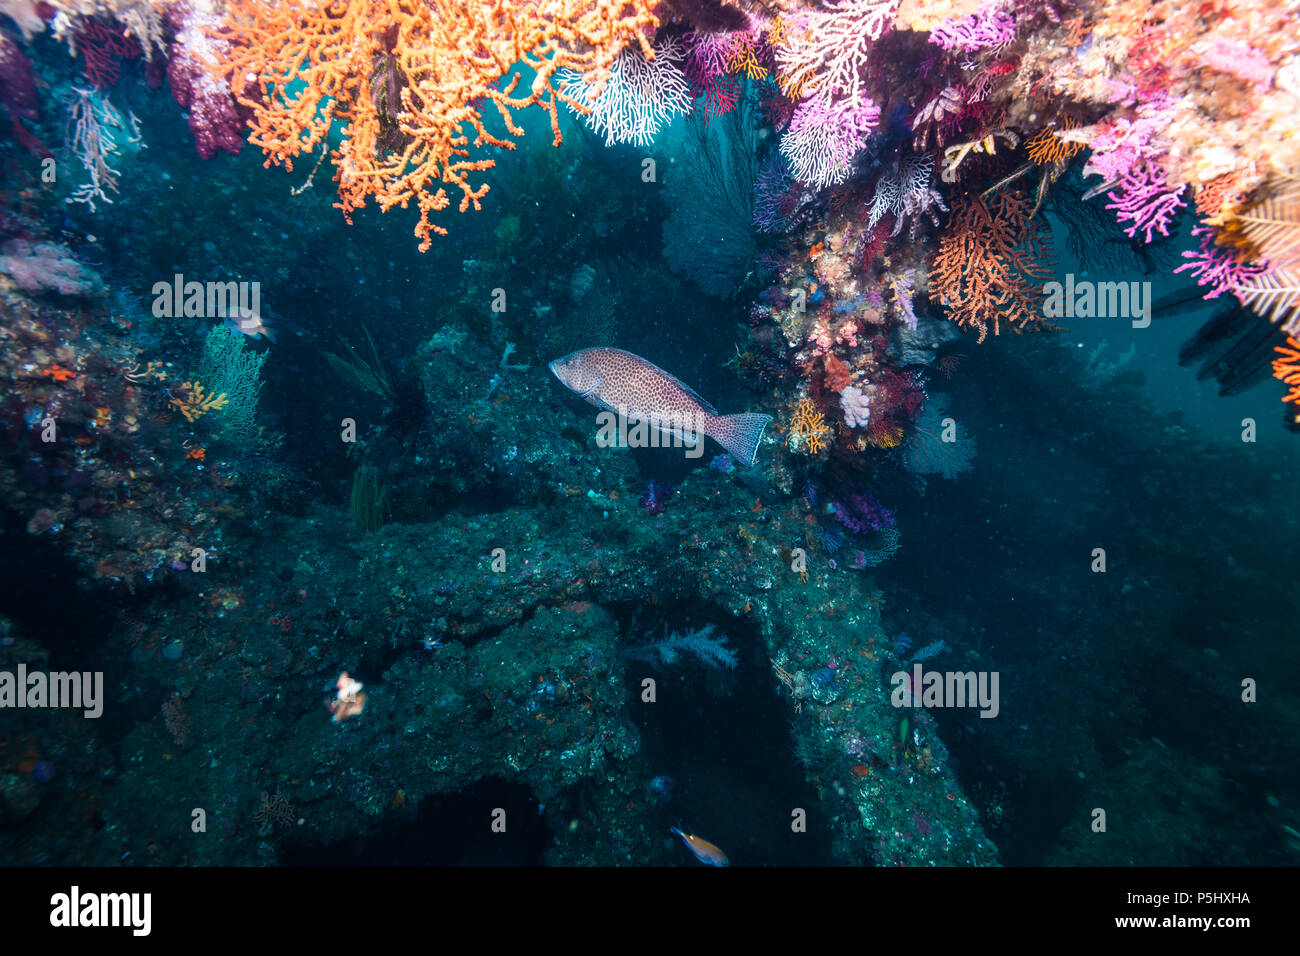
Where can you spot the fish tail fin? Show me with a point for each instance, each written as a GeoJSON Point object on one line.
{"type": "Point", "coordinates": [740, 434]}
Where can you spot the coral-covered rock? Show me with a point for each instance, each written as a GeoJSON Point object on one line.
{"type": "Point", "coordinates": [47, 267]}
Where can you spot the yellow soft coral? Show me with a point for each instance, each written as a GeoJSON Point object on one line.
{"type": "Point", "coordinates": [808, 428]}
{"type": "Point", "coordinates": [195, 402]}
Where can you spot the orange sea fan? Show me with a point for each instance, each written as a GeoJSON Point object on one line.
{"type": "Point", "coordinates": [1286, 368]}
{"type": "Point", "coordinates": [1045, 148]}
{"type": "Point", "coordinates": [991, 263]}
{"type": "Point", "coordinates": [808, 427]}
{"type": "Point", "coordinates": [311, 64]}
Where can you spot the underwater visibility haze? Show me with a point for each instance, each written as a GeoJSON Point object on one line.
{"type": "Point", "coordinates": [624, 432]}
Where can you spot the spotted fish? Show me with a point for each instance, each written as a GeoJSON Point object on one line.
{"type": "Point", "coordinates": [621, 382]}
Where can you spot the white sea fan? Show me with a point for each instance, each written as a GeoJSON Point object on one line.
{"type": "Point", "coordinates": [639, 97]}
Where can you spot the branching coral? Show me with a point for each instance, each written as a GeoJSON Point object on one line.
{"type": "Point", "coordinates": [823, 138]}
{"type": "Point", "coordinates": [808, 428]}
{"type": "Point", "coordinates": [92, 131]}
{"type": "Point", "coordinates": [141, 20]}
{"type": "Point", "coordinates": [640, 96]}
{"type": "Point", "coordinates": [193, 401]}
{"type": "Point", "coordinates": [312, 65]}
{"type": "Point", "coordinates": [1286, 368]}
{"type": "Point", "coordinates": [990, 265]}
{"type": "Point", "coordinates": [822, 58]}
{"type": "Point", "coordinates": [1045, 148]}
{"type": "Point", "coordinates": [823, 52]}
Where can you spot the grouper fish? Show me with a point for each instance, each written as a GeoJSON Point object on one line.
{"type": "Point", "coordinates": [627, 384]}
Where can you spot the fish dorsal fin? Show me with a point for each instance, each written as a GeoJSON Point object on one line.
{"type": "Point", "coordinates": [707, 406]}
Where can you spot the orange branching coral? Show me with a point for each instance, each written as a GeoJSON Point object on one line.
{"type": "Point", "coordinates": [808, 428]}
{"type": "Point", "coordinates": [1286, 368]}
{"type": "Point", "coordinates": [743, 57]}
{"type": "Point", "coordinates": [1216, 199]}
{"type": "Point", "coordinates": [194, 401]}
{"type": "Point", "coordinates": [1045, 148]}
{"type": "Point", "coordinates": [410, 80]}
{"type": "Point", "coordinates": [991, 264]}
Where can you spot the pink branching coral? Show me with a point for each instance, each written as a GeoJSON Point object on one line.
{"type": "Point", "coordinates": [1121, 145]}
{"type": "Point", "coordinates": [824, 138]}
{"type": "Point", "coordinates": [1145, 198]}
{"type": "Point", "coordinates": [708, 53]}
{"type": "Point", "coordinates": [822, 57]}
{"type": "Point", "coordinates": [1219, 268]}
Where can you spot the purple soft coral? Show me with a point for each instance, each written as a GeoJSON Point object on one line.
{"type": "Point", "coordinates": [863, 514]}
{"type": "Point", "coordinates": [216, 120]}
{"type": "Point", "coordinates": [990, 27]}
{"type": "Point", "coordinates": [655, 499]}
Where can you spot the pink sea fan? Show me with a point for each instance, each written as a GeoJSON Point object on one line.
{"type": "Point", "coordinates": [1216, 267]}
{"type": "Point", "coordinates": [721, 95]}
{"type": "Point", "coordinates": [824, 138]}
{"type": "Point", "coordinates": [1121, 146]}
{"type": "Point", "coordinates": [1145, 198]}
{"type": "Point", "coordinates": [707, 53]}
